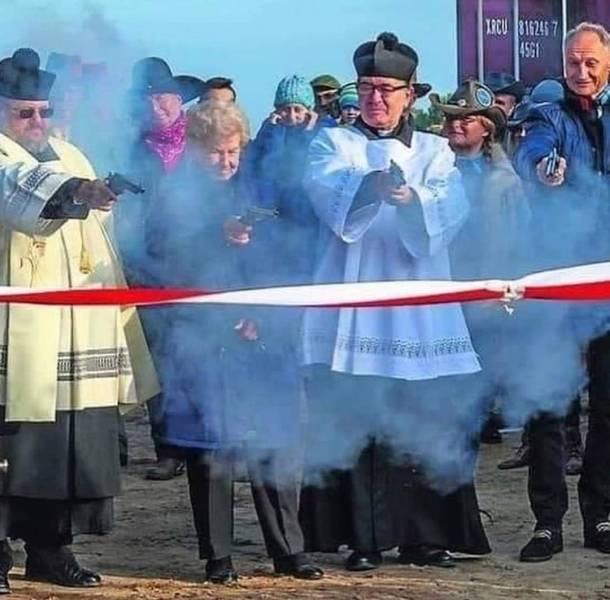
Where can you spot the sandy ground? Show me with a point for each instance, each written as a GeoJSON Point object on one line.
{"type": "Point", "coordinates": [152, 554]}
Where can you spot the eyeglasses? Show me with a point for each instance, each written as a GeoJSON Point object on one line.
{"type": "Point", "coordinates": [28, 113]}
{"type": "Point", "coordinates": [366, 89]}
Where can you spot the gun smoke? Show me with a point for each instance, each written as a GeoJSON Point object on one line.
{"type": "Point", "coordinates": [538, 348]}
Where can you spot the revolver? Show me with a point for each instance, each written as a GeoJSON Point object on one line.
{"type": "Point", "coordinates": [119, 184]}
{"type": "Point", "coordinates": [552, 163]}
{"type": "Point", "coordinates": [397, 175]}
{"type": "Point", "coordinates": [255, 214]}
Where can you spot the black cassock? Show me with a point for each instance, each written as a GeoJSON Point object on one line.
{"type": "Point", "coordinates": [61, 477]}
{"type": "Point", "coordinates": [382, 500]}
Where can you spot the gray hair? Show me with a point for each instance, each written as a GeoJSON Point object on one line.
{"type": "Point", "coordinates": [588, 27]}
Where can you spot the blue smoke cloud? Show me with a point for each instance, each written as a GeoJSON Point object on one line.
{"type": "Point", "coordinates": [537, 351]}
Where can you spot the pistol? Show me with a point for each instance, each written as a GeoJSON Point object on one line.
{"type": "Point", "coordinates": [397, 175]}
{"type": "Point", "coordinates": [552, 163]}
{"type": "Point", "coordinates": [255, 214]}
{"type": "Point", "coordinates": [119, 184]}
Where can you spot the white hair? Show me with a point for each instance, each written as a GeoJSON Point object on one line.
{"type": "Point", "coordinates": [587, 27]}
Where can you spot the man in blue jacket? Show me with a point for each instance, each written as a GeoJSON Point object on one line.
{"type": "Point", "coordinates": [573, 205]}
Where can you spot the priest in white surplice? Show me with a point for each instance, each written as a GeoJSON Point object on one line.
{"type": "Point", "coordinates": [64, 370]}
{"type": "Point", "coordinates": [390, 201]}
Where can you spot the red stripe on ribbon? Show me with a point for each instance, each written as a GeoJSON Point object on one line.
{"type": "Point", "coordinates": [598, 290]}
{"type": "Point", "coordinates": [103, 297]}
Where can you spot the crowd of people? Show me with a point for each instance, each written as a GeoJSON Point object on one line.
{"type": "Point", "coordinates": [355, 426]}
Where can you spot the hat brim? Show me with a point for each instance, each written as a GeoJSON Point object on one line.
{"type": "Point", "coordinates": [494, 113]}
{"type": "Point", "coordinates": [421, 89]}
{"type": "Point", "coordinates": [185, 86]}
{"type": "Point", "coordinates": [516, 89]}
{"type": "Point", "coordinates": [190, 87]}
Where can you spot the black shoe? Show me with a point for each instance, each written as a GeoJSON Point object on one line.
{"type": "Point", "coordinates": [425, 556]}
{"type": "Point", "coordinates": [220, 571]}
{"type": "Point", "coordinates": [599, 538]}
{"type": "Point", "coordinates": [574, 460]}
{"type": "Point", "coordinates": [490, 434]}
{"type": "Point", "coordinates": [520, 458]}
{"type": "Point", "coordinates": [165, 469]}
{"type": "Point", "coordinates": [363, 561]}
{"type": "Point", "coordinates": [59, 566]}
{"type": "Point", "coordinates": [6, 564]}
{"type": "Point", "coordinates": [297, 565]}
{"type": "Point", "coordinates": [543, 545]}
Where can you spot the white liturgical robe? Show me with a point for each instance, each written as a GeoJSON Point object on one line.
{"type": "Point", "coordinates": [376, 241]}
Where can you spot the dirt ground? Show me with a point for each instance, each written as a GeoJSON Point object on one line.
{"type": "Point", "coordinates": [153, 555]}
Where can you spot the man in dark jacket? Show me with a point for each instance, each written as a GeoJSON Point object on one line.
{"type": "Point", "coordinates": [157, 99]}
{"type": "Point", "coordinates": [572, 205]}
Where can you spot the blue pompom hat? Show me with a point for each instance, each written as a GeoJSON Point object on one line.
{"type": "Point", "coordinates": [294, 90]}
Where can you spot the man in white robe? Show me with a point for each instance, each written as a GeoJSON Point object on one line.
{"type": "Point", "coordinates": [390, 201]}
{"type": "Point", "coordinates": [64, 370]}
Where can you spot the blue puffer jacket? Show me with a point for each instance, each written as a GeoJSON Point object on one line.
{"type": "Point", "coordinates": [572, 220]}
{"type": "Point", "coordinates": [276, 162]}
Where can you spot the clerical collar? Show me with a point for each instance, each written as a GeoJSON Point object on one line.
{"type": "Point", "coordinates": [47, 154]}
{"type": "Point", "coordinates": [402, 132]}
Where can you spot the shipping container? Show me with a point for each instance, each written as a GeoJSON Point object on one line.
{"type": "Point", "coordinates": [521, 37]}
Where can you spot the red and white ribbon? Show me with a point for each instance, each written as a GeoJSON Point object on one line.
{"type": "Point", "coordinates": [582, 283]}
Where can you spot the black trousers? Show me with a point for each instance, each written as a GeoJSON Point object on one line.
{"type": "Point", "coordinates": [547, 490]}
{"type": "Point", "coordinates": [546, 484]}
{"type": "Point", "coordinates": [594, 484]}
{"type": "Point", "coordinates": [571, 423]}
{"type": "Point", "coordinates": [275, 482]}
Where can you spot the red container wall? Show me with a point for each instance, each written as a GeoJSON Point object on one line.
{"type": "Point", "coordinates": [498, 35]}
{"type": "Point", "coordinates": [540, 30]}
{"type": "Point", "coordinates": [467, 39]}
{"type": "Point", "coordinates": [540, 39]}
{"type": "Point", "coordinates": [597, 11]}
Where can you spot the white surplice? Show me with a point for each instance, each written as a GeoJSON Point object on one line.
{"type": "Point", "coordinates": [380, 242]}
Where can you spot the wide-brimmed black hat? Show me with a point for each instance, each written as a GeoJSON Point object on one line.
{"type": "Point", "coordinates": [504, 83]}
{"type": "Point", "coordinates": [21, 77]}
{"type": "Point", "coordinates": [421, 89]}
{"type": "Point", "coordinates": [387, 56]}
{"type": "Point", "coordinates": [152, 75]}
{"type": "Point", "coordinates": [472, 98]}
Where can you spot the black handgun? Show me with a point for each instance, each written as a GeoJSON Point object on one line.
{"type": "Point", "coordinates": [552, 163]}
{"type": "Point", "coordinates": [255, 214]}
{"type": "Point", "coordinates": [119, 184]}
{"type": "Point", "coordinates": [397, 175]}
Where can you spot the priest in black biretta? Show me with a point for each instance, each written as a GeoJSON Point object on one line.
{"type": "Point", "coordinates": [363, 376]}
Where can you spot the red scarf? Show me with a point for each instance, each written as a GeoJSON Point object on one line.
{"type": "Point", "coordinates": [169, 144]}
